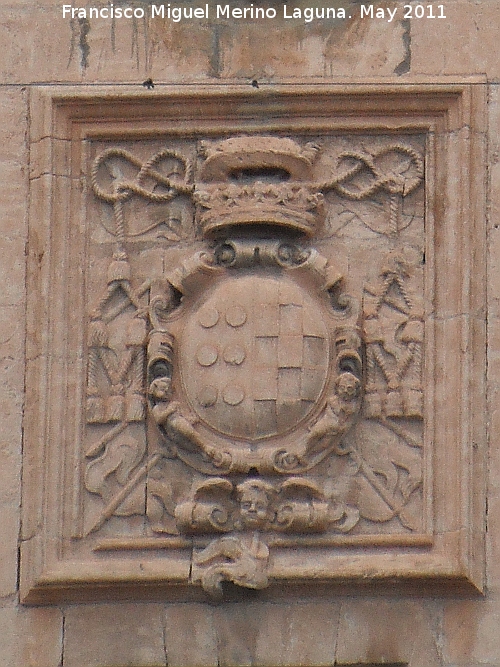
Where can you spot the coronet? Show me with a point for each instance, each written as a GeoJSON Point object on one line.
{"type": "Point", "coordinates": [290, 205]}
{"type": "Point", "coordinates": [257, 180]}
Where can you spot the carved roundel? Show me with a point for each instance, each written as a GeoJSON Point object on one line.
{"type": "Point", "coordinates": [254, 356]}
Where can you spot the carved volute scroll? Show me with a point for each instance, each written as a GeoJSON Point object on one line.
{"type": "Point", "coordinates": [249, 390]}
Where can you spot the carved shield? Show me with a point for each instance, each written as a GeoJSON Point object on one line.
{"type": "Point", "coordinates": [254, 356]}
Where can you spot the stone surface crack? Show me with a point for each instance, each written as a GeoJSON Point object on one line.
{"type": "Point", "coordinates": [83, 44]}
{"type": "Point", "coordinates": [164, 639]}
{"type": "Point", "coordinates": [63, 638]}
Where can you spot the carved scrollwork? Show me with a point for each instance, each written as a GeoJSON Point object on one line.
{"type": "Point", "coordinates": [124, 188]}
{"type": "Point", "coordinates": [120, 458]}
{"type": "Point", "coordinates": [243, 253]}
{"type": "Point", "coordinates": [209, 509]}
{"type": "Point", "coordinates": [397, 169]}
{"type": "Point", "coordinates": [293, 506]}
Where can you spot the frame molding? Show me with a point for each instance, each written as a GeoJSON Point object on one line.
{"type": "Point", "coordinates": [63, 120]}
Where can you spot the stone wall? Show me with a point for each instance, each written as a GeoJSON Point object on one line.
{"type": "Point", "coordinates": [309, 627]}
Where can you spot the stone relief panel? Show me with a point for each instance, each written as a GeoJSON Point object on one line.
{"type": "Point", "coordinates": [286, 394]}
{"type": "Point", "coordinates": [255, 342]}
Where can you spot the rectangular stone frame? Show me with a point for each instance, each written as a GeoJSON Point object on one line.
{"type": "Point", "coordinates": [452, 114]}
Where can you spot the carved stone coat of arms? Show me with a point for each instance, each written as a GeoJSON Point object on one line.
{"type": "Point", "coordinates": [281, 398]}
{"type": "Point", "coordinates": [262, 359]}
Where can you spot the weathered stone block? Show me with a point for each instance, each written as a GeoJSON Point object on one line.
{"type": "Point", "coordinates": [202, 647]}
{"type": "Point", "coordinates": [387, 632]}
{"type": "Point", "coordinates": [31, 637]}
{"type": "Point", "coordinates": [126, 634]}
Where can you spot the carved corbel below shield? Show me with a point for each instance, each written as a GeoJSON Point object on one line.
{"type": "Point", "coordinates": [240, 559]}
{"type": "Point", "coordinates": [295, 506]}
